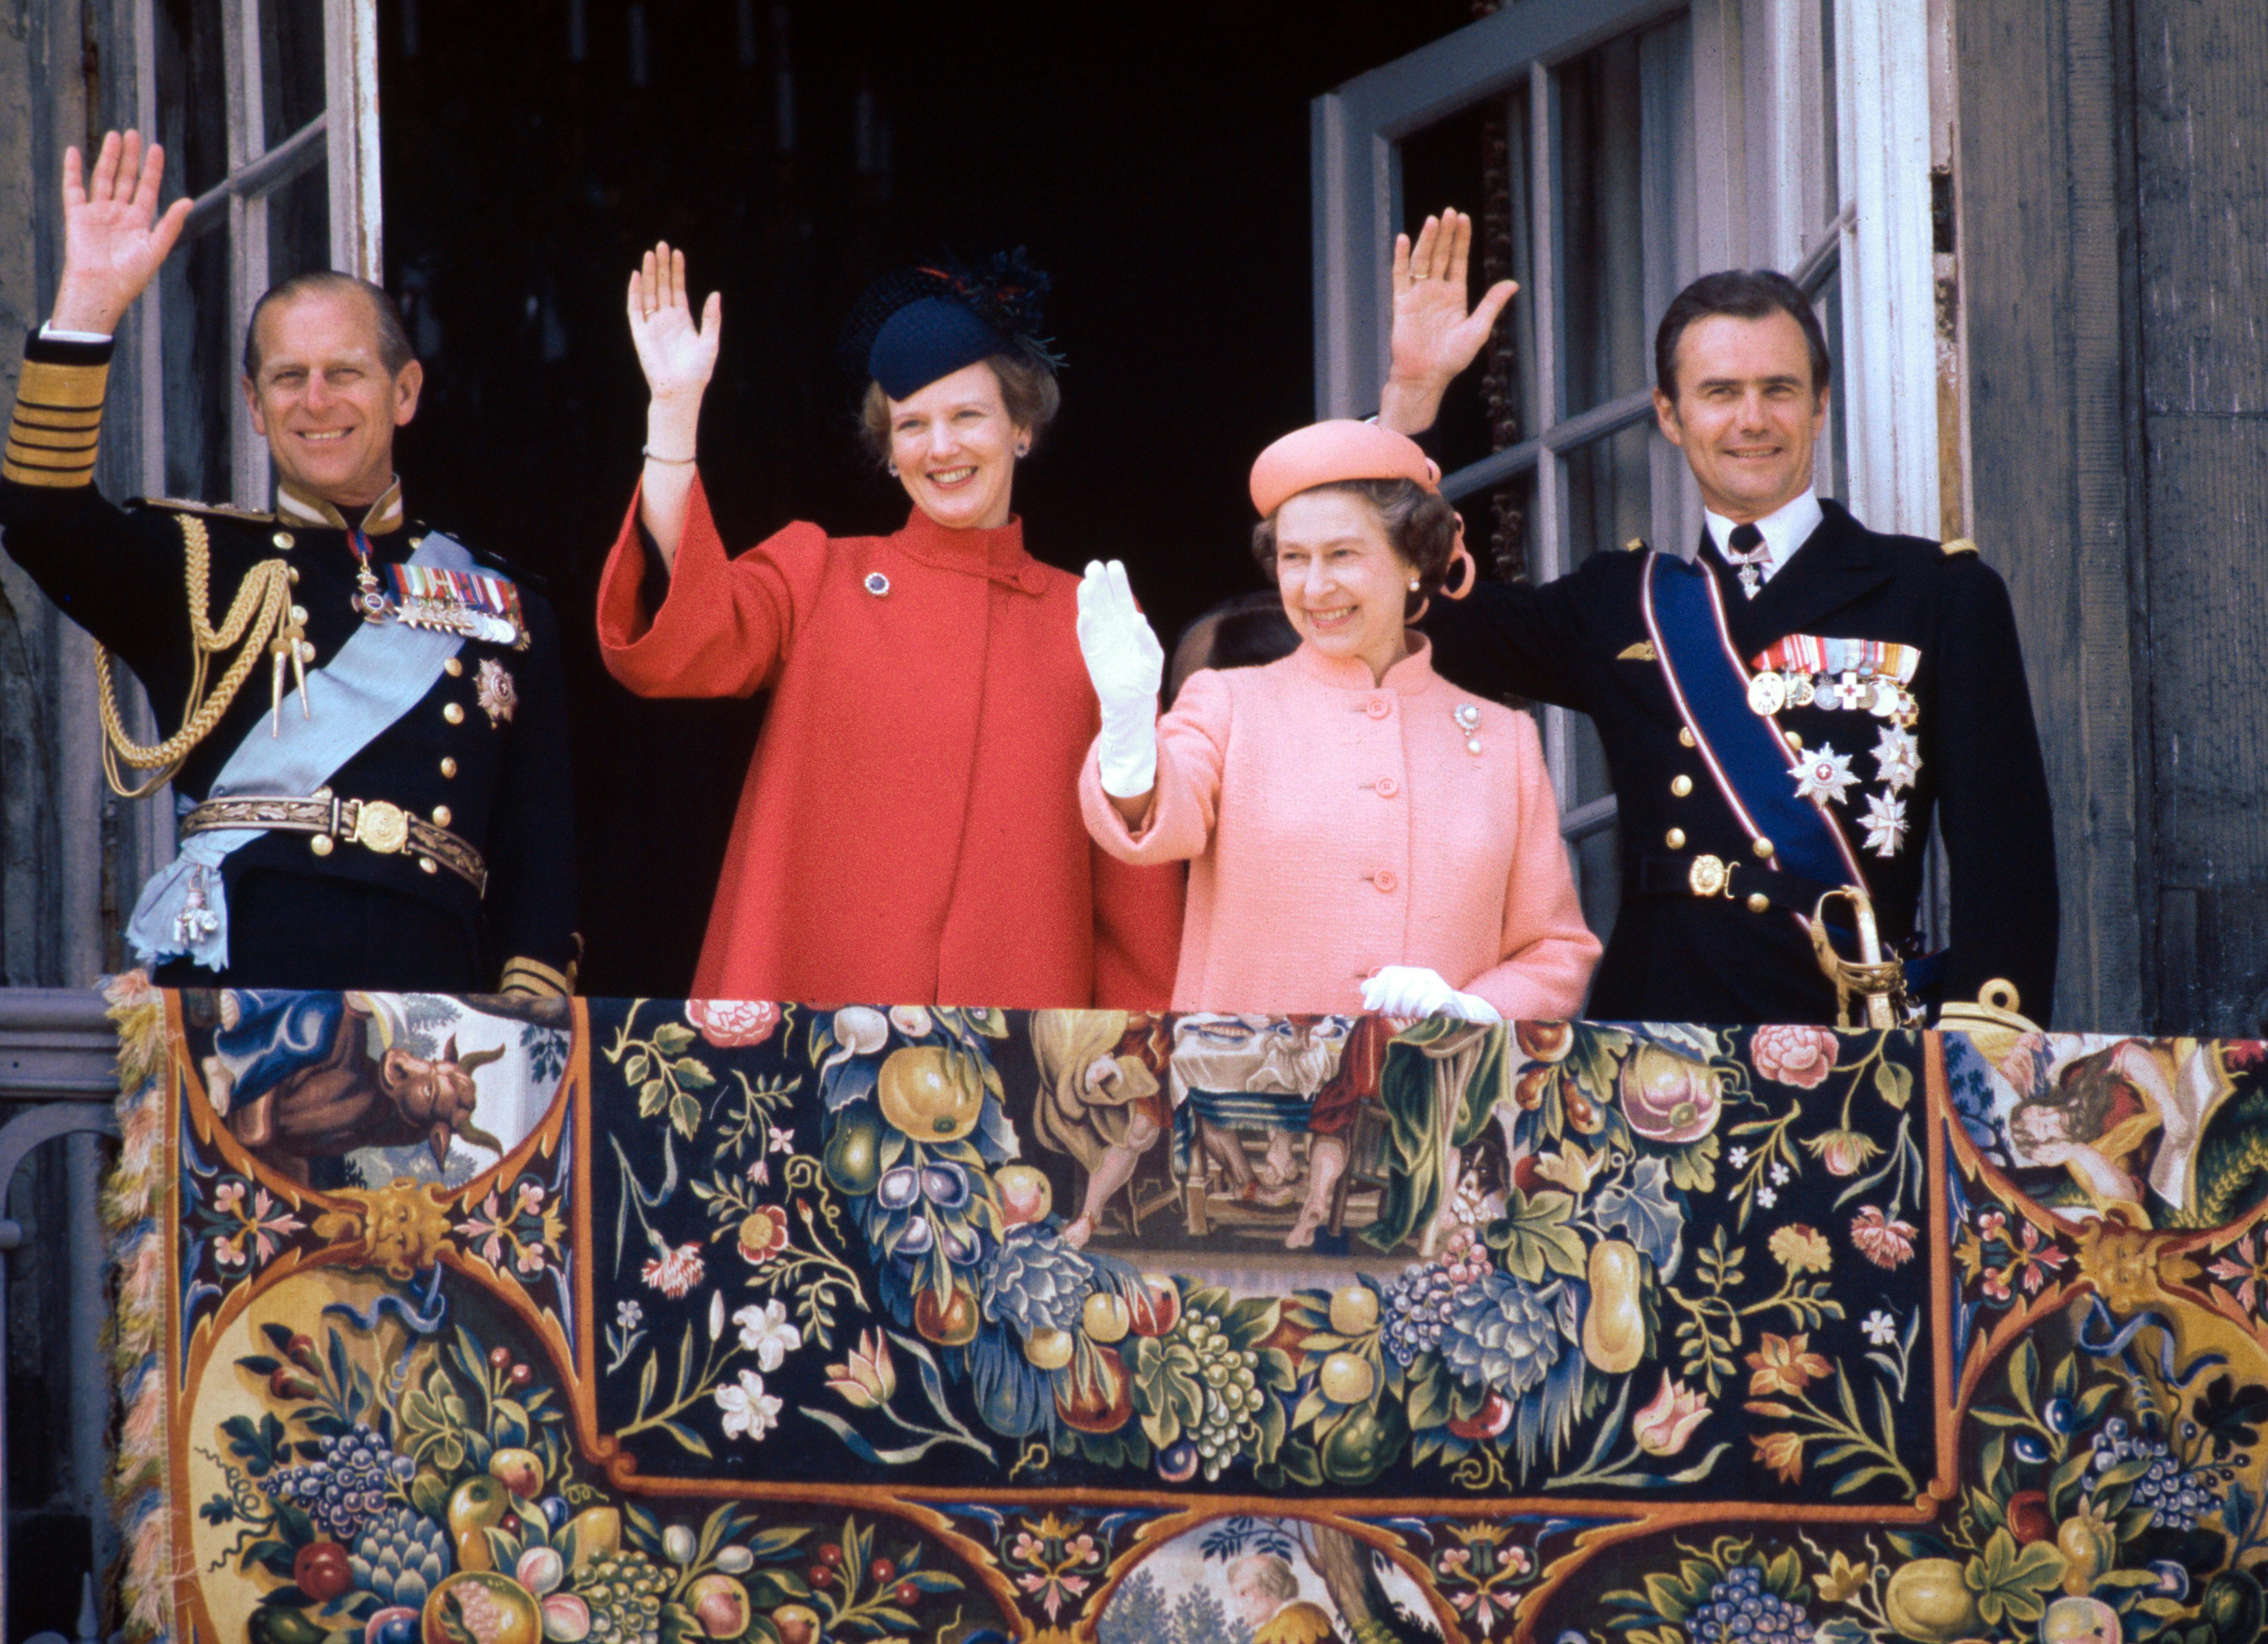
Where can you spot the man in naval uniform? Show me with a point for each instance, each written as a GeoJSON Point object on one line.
{"type": "Point", "coordinates": [369, 751]}
{"type": "Point", "coordinates": [1802, 677]}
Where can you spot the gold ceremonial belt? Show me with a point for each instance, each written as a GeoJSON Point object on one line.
{"type": "Point", "coordinates": [378, 825]}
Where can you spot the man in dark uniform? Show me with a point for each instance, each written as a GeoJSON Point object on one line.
{"type": "Point", "coordinates": [1823, 674]}
{"type": "Point", "coordinates": [364, 726]}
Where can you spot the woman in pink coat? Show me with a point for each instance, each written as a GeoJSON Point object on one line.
{"type": "Point", "coordinates": [1361, 834]}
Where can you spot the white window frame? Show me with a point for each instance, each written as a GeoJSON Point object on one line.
{"type": "Point", "coordinates": [1760, 199]}
{"type": "Point", "coordinates": [342, 139]}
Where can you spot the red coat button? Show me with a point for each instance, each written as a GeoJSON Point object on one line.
{"type": "Point", "coordinates": [1384, 878]}
{"type": "Point", "coordinates": [1033, 580]}
{"type": "Point", "coordinates": [1388, 787]}
{"type": "Point", "coordinates": [1378, 707]}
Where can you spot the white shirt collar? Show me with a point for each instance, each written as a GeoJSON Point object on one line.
{"type": "Point", "coordinates": [1786, 528]}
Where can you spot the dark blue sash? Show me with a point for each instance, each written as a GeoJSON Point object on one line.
{"type": "Point", "coordinates": [1746, 754]}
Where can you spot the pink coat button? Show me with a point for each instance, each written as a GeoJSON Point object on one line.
{"type": "Point", "coordinates": [1378, 707]}
{"type": "Point", "coordinates": [1385, 879]}
{"type": "Point", "coordinates": [1388, 787]}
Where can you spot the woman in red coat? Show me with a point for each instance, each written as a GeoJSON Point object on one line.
{"type": "Point", "coordinates": [910, 829]}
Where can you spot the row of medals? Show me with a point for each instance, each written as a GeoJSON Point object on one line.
{"type": "Point", "coordinates": [1877, 694]}
{"type": "Point", "coordinates": [439, 615]}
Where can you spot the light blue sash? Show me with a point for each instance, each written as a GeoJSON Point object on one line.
{"type": "Point", "coordinates": [383, 671]}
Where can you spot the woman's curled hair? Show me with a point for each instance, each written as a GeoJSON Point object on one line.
{"type": "Point", "coordinates": [1421, 525]}
{"type": "Point", "coordinates": [1028, 389]}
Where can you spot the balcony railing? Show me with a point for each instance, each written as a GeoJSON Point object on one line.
{"type": "Point", "coordinates": [56, 1090]}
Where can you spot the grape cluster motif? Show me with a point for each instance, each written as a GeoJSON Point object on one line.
{"type": "Point", "coordinates": [2177, 1498]}
{"type": "Point", "coordinates": [344, 1487]}
{"type": "Point", "coordinates": [1419, 1304]}
{"type": "Point", "coordinates": [623, 1589]}
{"type": "Point", "coordinates": [1741, 1609]}
{"type": "Point", "coordinates": [1233, 1394]}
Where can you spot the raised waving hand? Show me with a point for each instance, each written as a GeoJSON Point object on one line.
{"type": "Point", "coordinates": [1125, 662]}
{"type": "Point", "coordinates": [112, 246]}
{"type": "Point", "coordinates": [677, 353]}
{"type": "Point", "coordinates": [679, 356]}
{"type": "Point", "coordinates": [1435, 333]}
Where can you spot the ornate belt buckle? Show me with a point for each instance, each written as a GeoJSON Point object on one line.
{"type": "Point", "coordinates": [1709, 876]}
{"type": "Point", "coordinates": [382, 826]}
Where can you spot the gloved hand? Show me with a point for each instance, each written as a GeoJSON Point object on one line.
{"type": "Point", "coordinates": [1126, 663]}
{"type": "Point", "coordinates": [1412, 990]}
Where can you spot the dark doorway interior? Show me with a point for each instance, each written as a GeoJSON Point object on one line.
{"type": "Point", "coordinates": [1154, 159]}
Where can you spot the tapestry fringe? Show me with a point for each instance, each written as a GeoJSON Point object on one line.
{"type": "Point", "coordinates": [133, 1211]}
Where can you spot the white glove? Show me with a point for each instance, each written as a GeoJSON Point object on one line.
{"type": "Point", "coordinates": [1412, 990]}
{"type": "Point", "coordinates": [1126, 663]}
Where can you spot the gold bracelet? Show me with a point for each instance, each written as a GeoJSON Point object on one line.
{"type": "Point", "coordinates": [652, 455]}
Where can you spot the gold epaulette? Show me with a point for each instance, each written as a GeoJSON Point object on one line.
{"type": "Point", "coordinates": [1958, 545]}
{"type": "Point", "coordinates": [57, 426]}
{"type": "Point", "coordinates": [215, 510]}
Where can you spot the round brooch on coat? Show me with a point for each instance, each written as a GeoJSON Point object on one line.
{"type": "Point", "coordinates": [877, 583]}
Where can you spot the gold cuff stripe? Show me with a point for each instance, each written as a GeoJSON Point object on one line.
{"type": "Point", "coordinates": [17, 473]}
{"type": "Point", "coordinates": [36, 439]}
{"type": "Point", "coordinates": [38, 457]}
{"type": "Point", "coordinates": [63, 387]}
{"type": "Point", "coordinates": [533, 975]}
{"type": "Point", "coordinates": [49, 416]}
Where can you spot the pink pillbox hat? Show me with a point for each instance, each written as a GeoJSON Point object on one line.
{"type": "Point", "coordinates": [1323, 454]}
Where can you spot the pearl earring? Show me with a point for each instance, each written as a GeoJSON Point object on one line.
{"type": "Point", "coordinates": [1414, 584]}
{"type": "Point", "coordinates": [1024, 450]}
{"type": "Point", "coordinates": [892, 468]}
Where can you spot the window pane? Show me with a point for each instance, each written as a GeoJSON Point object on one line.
{"type": "Point", "coordinates": [1833, 478]}
{"type": "Point", "coordinates": [201, 368]}
{"type": "Point", "coordinates": [192, 96]}
{"type": "Point", "coordinates": [1500, 530]}
{"type": "Point", "coordinates": [299, 225]}
{"type": "Point", "coordinates": [1625, 193]}
{"type": "Point", "coordinates": [1443, 165]}
{"type": "Point", "coordinates": [291, 65]}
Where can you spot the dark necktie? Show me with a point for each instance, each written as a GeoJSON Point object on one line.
{"type": "Point", "coordinates": [1745, 548]}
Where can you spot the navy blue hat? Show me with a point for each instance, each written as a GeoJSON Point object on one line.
{"type": "Point", "coordinates": [916, 324]}
{"type": "Point", "coordinates": [928, 338]}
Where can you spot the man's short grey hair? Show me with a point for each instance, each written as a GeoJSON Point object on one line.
{"type": "Point", "coordinates": [1264, 1572]}
{"type": "Point", "coordinates": [394, 347]}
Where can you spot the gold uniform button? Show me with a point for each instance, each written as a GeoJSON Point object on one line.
{"type": "Point", "coordinates": [320, 844]}
{"type": "Point", "coordinates": [427, 864]}
{"type": "Point", "coordinates": [453, 713]}
{"type": "Point", "coordinates": [283, 539]}
{"type": "Point", "coordinates": [441, 814]}
{"type": "Point", "coordinates": [1794, 739]}
{"type": "Point", "coordinates": [452, 668]}
{"type": "Point", "coordinates": [448, 767]}
{"type": "Point", "coordinates": [1675, 838]}
{"type": "Point", "coordinates": [1764, 848]}
{"type": "Point", "coordinates": [1759, 902]}
{"type": "Point", "coordinates": [291, 575]}
{"type": "Point", "coordinates": [1684, 736]}
{"type": "Point", "coordinates": [299, 614]}
{"type": "Point", "coordinates": [1681, 786]}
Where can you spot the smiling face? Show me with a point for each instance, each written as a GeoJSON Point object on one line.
{"type": "Point", "coordinates": [954, 446]}
{"type": "Point", "coordinates": [1746, 414]}
{"type": "Point", "coordinates": [1344, 586]}
{"type": "Point", "coordinates": [325, 401]}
